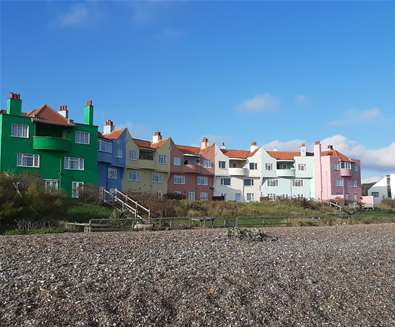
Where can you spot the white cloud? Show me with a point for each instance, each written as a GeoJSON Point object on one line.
{"type": "Point", "coordinates": [378, 159]}
{"type": "Point", "coordinates": [75, 16]}
{"type": "Point", "coordinates": [371, 179]}
{"type": "Point", "coordinates": [357, 116]}
{"type": "Point", "coordinates": [260, 103]}
{"type": "Point", "coordinates": [292, 145]}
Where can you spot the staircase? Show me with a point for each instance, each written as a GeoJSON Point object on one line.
{"type": "Point", "coordinates": [341, 209]}
{"type": "Point", "coordinates": [123, 202]}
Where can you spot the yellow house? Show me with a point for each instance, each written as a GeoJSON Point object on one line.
{"type": "Point", "coordinates": [147, 166]}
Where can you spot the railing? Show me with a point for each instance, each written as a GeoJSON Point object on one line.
{"type": "Point", "coordinates": [126, 202]}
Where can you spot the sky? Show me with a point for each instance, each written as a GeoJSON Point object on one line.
{"type": "Point", "coordinates": [278, 73]}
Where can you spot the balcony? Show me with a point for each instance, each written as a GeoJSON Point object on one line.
{"type": "Point", "coordinates": [147, 164]}
{"type": "Point", "coordinates": [51, 143]}
{"type": "Point", "coordinates": [345, 172]}
{"type": "Point", "coordinates": [286, 172]}
{"type": "Point", "coordinates": [192, 169]}
{"type": "Point", "coordinates": [238, 171]}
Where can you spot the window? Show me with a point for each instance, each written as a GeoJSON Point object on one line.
{"type": "Point", "coordinates": [82, 137]}
{"type": "Point", "coordinates": [355, 184]}
{"type": "Point", "coordinates": [345, 165]}
{"type": "Point", "coordinates": [225, 181]}
{"type": "Point", "coordinates": [202, 180]}
{"type": "Point", "coordinates": [272, 182]}
{"type": "Point", "coordinates": [76, 189]}
{"type": "Point", "coordinates": [177, 161]}
{"type": "Point", "coordinates": [156, 178]}
{"type": "Point", "coordinates": [203, 196]}
{"type": "Point", "coordinates": [297, 182]}
{"type": "Point", "coordinates": [336, 166]}
{"type": "Point", "coordinates": [222, 164]}
{"type": "Point", "coordinates": [237, 197]}
{"type": "Point", "coordinates": [191, 196]}
{"type": "Point", "coordinates": [28, 160]}
{"type": "Point", "coordinates": [271, 196]}
{"type": "Point", "coordinates": [134, 176]}
{"type": "Point", "coordinates": [71, 163]}
{"type": "Point", "coordinates": [253, 166]}
{"type": "Point", "coordinates": [133, 155]}
{"type": "Point", "coordinates": [119, 152]}
{"type": "Point", "coordinates": [51, 185]}
{"type": "Point", "coordinates": [162, 159]}
{"type": "Point", "coordinates": [339, 182]}
{"type": "Point", "coordinates": [248, 182]}
{"type": "Point", "coordinates": [376, 194]}
{"type": "Point", "coordinates": [105, 146]}
{"type": "Point", "coordinates": [20, 130]}
{"type": "Point", "coordinates": [269, 166]}
{"type": "Point", "coordinates": [146, 154]}
{"type": "Point", "coordinates": [206, 163]}
{"type": "Point", "coordinates": [302, 167]}
{"type": "Point", "coordinates": [250, 196]}
{"type": "Point", "coordinates": [112, 173]}
{"type": "Point", "coordinates": [179, 179]}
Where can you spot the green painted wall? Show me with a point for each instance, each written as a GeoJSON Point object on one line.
{"type": "Point", "coordinates": [51, 161]}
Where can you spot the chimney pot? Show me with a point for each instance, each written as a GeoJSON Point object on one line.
{"type": "Point", "coordinates": [253, 147]}
{"type": "Point", "coordinates": [330, 147]}
{"type": "Point", "coordinates": [89, 103]}
{"type": "Point", "coordinates": [108, 127]}
{"type": "Point", "coordinates": [204, 143]}
{"type": "Point", "coordinates": [156, 137]}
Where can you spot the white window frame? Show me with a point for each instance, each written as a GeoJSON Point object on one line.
{"type": "Point", "coordinates": [82, 137]}
{"type": "Point", "coordinates": [134, 176]}
{"type": "Point", "coordinates": [250, 197]}
{"type": "Point", "coordinates": [69, 166]}
{"type": "Point", "coordinates": [223, 181]}
{"type": "Point", "coordinates": [251, 181]}
{"type": "Point", "coordinates": [272, 182]}
{"type": "Point", "coordinates": [163, 159]}
{"type": "Point", "coordinates": [355, 183]}
{"type": "Point", "coordinates": [51, 185]}
{"type": "Point", "coordinates": [269, 166]}
{"type": "Point", "coordinates": [253, 166]}
{"type": "Point", "coordinates": [301, 167]}
{"type": "Point", "coordinates": [105, 146]}
{"type": "Point", "coordinates": [339, 182]}
{"type": "Point", "coordinates": [222, 164]}
{"type": "Point", "coordinates": [21, 160]}
{"type": "Point", "coordinates": [191, 196]}
{"type": "Point", "coordinates": [157, 178]}
{"type": "Point", "coordinates": [177, 161]}
{"type": "Point", "coordinates": [133, 155]}
{"type": "Point", "coordinates": [112, 173]}
{"type": "Point", "coordinates": [76, 188]}
{"type": "Point", "coordinates": [179, 179]}
{"type": "Point", "coordinates": [297, 183]}
{"type": "Point", "coordinates": [20, 130]}
{"type": "Point", "coordinates": [203, 196]}
{"type": "Point", "coordinates": [202, 180]}
{"type": "Point", "coordinates": [207, 164]}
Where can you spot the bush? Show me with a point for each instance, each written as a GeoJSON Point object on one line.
{"type": "Point", "coordinates": [82, 212]}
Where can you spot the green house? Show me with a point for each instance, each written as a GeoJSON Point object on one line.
{"type": "Point", "coordinates": [47, 143]}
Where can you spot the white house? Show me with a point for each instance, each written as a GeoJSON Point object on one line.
{"type": "Point", "coordinates": [383, 189]}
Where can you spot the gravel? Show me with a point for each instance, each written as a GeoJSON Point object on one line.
{"type": "Point", "coordinates": [314, 276]}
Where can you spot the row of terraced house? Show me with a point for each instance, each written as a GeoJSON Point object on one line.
{"type": "Point", "coordinates": [69, 155]}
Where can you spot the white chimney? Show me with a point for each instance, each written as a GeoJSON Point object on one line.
{"type": "Point", "coordinates": [222, 147]}
{"type": "Point", "coordinates": [253, 147]}
{"type": "Point", "coordinates": [108, 127]}
{"type": "Point", "coordinates": [64, 111]}
{"type": "Point", "coordinates": [204, 143]}
{"type": "Point", "coordinates": [303, 150]}
{"type": "Point", "coordinates": [156, 137]}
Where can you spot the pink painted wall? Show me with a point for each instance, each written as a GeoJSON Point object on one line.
{"type": "Point", "coordinates": [326, 176]}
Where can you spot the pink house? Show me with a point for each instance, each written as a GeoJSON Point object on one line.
{"type": "Point", "coordinates": [192, 171]}
{"type": "Point", "coordinates": [336, 175]}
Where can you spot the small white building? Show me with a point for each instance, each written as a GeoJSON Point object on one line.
{"type": "Point", "coordinates": [383, 189]}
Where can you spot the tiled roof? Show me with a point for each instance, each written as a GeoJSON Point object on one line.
{"type": "Point", "coordinates": [148, 144]}
{"type": "Point", "coordinates": [239, 154]}
{"type": "Point", "coordinates": [335, 153]}
{"type": "Point", "coordinates": [195, 150]}
{"type": "Point", "coordinates": [286, 155]}
{"type": "Point", "coordinates": [47, 115]}
{"type": "Point", "coordinates": [114, 135]}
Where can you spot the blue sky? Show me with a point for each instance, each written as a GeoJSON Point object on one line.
{"type": "Point", "coordinates": [277, 73]}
